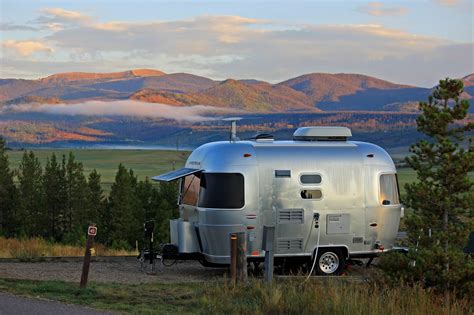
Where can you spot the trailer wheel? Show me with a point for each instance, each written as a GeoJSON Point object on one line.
{"type": "Point", "coordinates": [330, 261]}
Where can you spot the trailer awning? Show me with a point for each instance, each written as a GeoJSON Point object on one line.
{"type": "Point", "coordinates": [177, 174]}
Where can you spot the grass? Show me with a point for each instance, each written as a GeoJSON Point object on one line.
{"type": "Point", "coordinates": [405, 176]}
{"type": "Point", "coordinates": [219, 297]}
{"type": "Point", "coordinates": [124, 298]}
{"type": "Point", "coordinates": [145, 163]}
{"type": "Point", "coordinates": [27, 249]}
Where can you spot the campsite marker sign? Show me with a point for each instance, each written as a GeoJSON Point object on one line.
{"type": "Point", "coordinates": [91, 232]}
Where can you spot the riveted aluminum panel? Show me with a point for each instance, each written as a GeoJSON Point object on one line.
{"type": "Point", "coordinates": [338, 223]}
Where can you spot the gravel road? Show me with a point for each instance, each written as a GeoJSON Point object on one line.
{"type": "Point", "coordinates": [15, 305]}
{"type": "Point", "coordinates": [124, 270]}
{"type": "Point", "coordinates": [117, 270]}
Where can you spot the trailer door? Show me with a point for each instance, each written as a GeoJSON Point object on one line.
{"type": "Point", "coordinates": [292, 213]}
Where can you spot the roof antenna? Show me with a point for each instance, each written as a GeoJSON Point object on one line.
{"type": "Point", "coordinates": [233, 128]}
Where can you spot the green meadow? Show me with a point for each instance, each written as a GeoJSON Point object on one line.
{"type": "Point", "coordinates": [145, 163]}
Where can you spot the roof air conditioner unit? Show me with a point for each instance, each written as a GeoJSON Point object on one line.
{"type": "Point", "coordinates": [325, 133]}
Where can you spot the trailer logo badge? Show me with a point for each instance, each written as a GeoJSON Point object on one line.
{"type": "Point", "coordinates": [92, 231]}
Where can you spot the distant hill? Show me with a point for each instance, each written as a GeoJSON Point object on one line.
{"type": "Point", "coordinates": [85, 76]}
{"type": "Point", "coordinates": [353, 91]}
{"type": "Point", "coordinates": [310, 92]}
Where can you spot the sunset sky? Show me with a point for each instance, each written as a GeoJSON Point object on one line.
{"type": "Point", "coordinates": [415, 42]}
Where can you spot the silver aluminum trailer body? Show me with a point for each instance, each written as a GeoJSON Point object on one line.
{"type": "Point", "coordinates": [348, 186]}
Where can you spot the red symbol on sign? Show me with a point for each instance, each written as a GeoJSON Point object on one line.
{"type": "Point", "coordinates": [92, 230]}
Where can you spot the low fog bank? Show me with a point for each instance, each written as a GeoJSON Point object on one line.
{"type": "Point", "coordinates": [121, 108]}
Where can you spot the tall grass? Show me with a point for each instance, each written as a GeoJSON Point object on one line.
{"type": "Point", "coordinates": [327, 297]}
{"type": "Point", "coordinates": [38, 247]}
{"type": "Point", "coordinates": [220, 297]}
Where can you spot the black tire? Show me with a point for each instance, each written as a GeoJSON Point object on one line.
{"type": "Point", "coordinates": [330, 262]}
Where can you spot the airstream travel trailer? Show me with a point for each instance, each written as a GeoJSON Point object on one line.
{"type": "Point", "coordinates": [318, 191]}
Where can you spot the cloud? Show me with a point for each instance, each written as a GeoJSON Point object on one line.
{"type": "Point", "coordinates": [121, 108]}
{"type": "Point", "coordinates": [16, 27]}
{"type": "Point", "coordinates": [239, 47]}
{"type": "Point", "coordinates": [56, 19]}
{"type": "Point", "coordinates": [26, 48]}
{"type": "Point", "coordinates": [448, 3]}
{"type": "Point", "coordinates": [61, 13]}
{"type": "Point", "coordinates": [379, 9]}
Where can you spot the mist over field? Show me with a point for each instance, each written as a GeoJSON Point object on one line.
{"type": "Point", "coordinates": [130, 108]}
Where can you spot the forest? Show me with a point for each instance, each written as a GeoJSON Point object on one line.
{"type": "Point", "coordinates": [58, 200]}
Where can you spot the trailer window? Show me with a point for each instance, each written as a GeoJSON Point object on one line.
{"type": "Point", "coordinates": [311, 194]}
{"type": "Point", "coordinates": [221, 190]}
{"type": "Point", "coordinates": [190, 189]}
{"type": "Point", "coordinates": [310, 179]}
{"type": "Point", "coordinates": [389, 190]}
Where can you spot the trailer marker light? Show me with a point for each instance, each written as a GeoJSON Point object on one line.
{"type": "Point", "coordinates": [255, 253]}
{"type": "Point", "coordinates": [247, 155]}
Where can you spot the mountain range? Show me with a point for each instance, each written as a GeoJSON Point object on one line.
{"type": "Point", "coordinates": [312, 92]}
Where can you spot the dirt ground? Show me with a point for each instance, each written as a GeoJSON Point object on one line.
{"type": "Point", "coordinates": [125, 270]}
{"type": "Point", "coordinates": [117, 270]}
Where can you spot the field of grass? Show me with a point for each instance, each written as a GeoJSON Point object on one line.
{"type": "Point", "coordinates": [27, 249]}
{"type": "Point", "coordinates": [334, 296]}
{"type": "Point", "coordinates": [145, 163]}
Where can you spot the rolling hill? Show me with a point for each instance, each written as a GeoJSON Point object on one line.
{"type": "Point", "coordinates": [310, 92]}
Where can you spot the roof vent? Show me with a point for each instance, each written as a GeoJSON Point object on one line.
{"type": "Point", "coordinates": [261, 137]}
{"type": "Point", "coordinates": [326, 133]}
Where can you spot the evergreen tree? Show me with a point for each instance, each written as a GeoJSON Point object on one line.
{"type": "Point", "coordinates": [76, 205]}
{"type": "Point", "coordinates": [123, 204]}
{"type": "Point", "coordinates": [96, 209]}
{"type": "Point", "coordinates": [442, 198]}
{"type": "Point", "coordinates": [31, 211]}
{"type": "Point", "coordinates": [166, 209]}
{"type": "Point", "coordinates": [55, 197]}
{"type": "Point", "coordinates": [8, 195]}
{"type": "Point", "coordinates": [146, 210]}
{"type": "Point", "coordinates": [144, 194]}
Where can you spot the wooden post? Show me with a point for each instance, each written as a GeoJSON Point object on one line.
{"type": "Point", "coordinates": [91, 232]}
{"type": "Point", "coordinates": [242, 257]}
{"type": "Point", "coordinates": [268, 247]}
{"type": "Point", "coordinates": [233, 258]}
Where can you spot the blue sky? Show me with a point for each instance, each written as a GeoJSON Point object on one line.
{"type": "Point", "coordinates": [415, 42]}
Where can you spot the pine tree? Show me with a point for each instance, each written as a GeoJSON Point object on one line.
{"type": "Point", "coordinates": [95, 197]}
{"type": "Point", "coordinates": [144, 194]}
{"type": "Point", "coordinates": [123, 204]}
{"type": "Point", "coordinates": [55, 197]}
{"type": "Point", "coordinates": [166, 209]}
{"type": "Point", "coordinates": [146, 210]}
{"type": "Point", "coordinates": [76, 191]}
{"type": "Point", "coordinates": [442, 198]}
{"type": "Point", "coordinates": [31, 211]}
{"type": "Point", "coordinates": [8, 195]}
{"type": "Point", "coordinates": [96, 209]}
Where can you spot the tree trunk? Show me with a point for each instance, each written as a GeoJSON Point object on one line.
{"type": "Point", "coordinates": [446, 244]}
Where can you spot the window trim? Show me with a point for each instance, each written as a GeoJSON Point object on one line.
{"type": "Point", "coordinates": [310, 173]}
{"type": "Point", "coordinates": [380, 189]}
{"type": "Point", "coordinates": [180, 192]}
{"type": "Point", "coordinates": [226, 209]}
{"type": "Point", "coordinates": [311, 199]}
